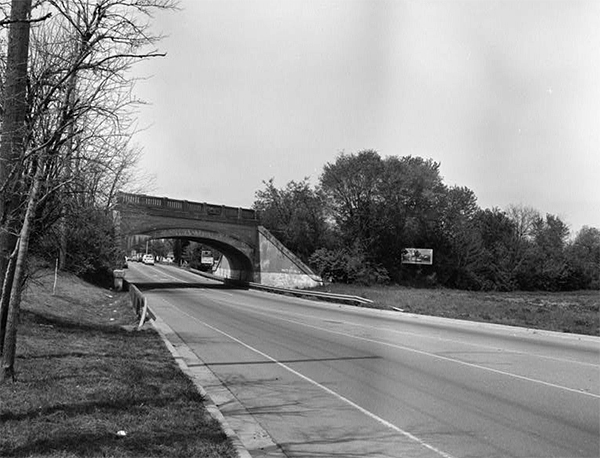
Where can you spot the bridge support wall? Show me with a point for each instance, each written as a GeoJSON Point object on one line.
{"type": "Point", "coordinates": [280, 267]}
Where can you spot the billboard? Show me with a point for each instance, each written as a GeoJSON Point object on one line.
{"type": "Point", "coordinates": [422, 256]}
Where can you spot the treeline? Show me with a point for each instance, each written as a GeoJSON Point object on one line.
{"type": "Point", "coordinates": [366, 210]}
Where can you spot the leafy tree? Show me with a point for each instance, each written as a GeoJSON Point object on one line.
{"type": "Point", "coordinates": [295, 214]}
{"type": "Point", "coordinates": [495, 270]}
{"type": "Point", "coordinates": [378, 207]}
{"type": "Point", "coordinates": [384, 205]}
{"type": "Point", "coordinates": [458, 243]}
{"type": "Point", "coordinates": [179, 248]}
{"type": "Point", "coordinates": [161, 247]}
{"type": "Point", "coordinates": [91, 250]}
{"type": "Point", "coordinates": [352, 184]}
{"type": "Point", "coordinates": [408, 208]}
{"type": "Point", "coordinates": [545, 264]}
{"type": "Point", "coordinates": [583, 257]}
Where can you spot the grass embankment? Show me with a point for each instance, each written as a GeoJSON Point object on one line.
{"type": "Point", "coordinates": [573, 312]}
{"type": "Point", "coordinates": [82, 378]}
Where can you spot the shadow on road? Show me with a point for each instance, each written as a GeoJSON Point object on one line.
{"type": "Point", "coordinates": [289, 361]}
{"type": "Point", "coordinates": [145, 286]}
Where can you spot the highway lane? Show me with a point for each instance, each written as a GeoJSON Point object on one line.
{"type": "Point", "coordinates": [329, 380]}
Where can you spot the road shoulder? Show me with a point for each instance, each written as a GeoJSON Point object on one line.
{"type": "Point", "coordinates": [241, 428]}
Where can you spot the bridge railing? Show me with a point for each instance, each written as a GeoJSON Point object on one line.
{"type": "Point", "coordinates": [199, 208]}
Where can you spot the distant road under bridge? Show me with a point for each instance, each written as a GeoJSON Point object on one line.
{"type": "Point", "coordinates": [250, 252]}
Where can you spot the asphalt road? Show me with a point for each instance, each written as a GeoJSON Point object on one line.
{"type": "Point", "coordinates": [311, 379]}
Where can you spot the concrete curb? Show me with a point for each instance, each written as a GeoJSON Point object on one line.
{"type": "Point", "coordinates": [164, 330]}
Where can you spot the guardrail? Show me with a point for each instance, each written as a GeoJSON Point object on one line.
{"type": "Point", "coordinates": [330, 297]}
{"type": "Point", "coordinates": [140, 305]}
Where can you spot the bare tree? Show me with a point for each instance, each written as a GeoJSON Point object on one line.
{"type": "Point", "coordinates": [67, 141]}
{"type": "Point", "coordinates": [524, 218]}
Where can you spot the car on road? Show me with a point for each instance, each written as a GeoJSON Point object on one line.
{"type": "Point", "coordinates": [148, 259]}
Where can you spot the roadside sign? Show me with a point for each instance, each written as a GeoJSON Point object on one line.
{"type": "Point", "coordinates": [417, 256]}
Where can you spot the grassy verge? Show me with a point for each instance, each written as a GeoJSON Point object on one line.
{"type": "Point", "coordinates": [574, 312]}
{"type": "Point", "coordinates": [82, 379]}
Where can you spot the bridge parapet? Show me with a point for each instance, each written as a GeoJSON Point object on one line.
{"type": "Point", "coordinates": [193, 209]}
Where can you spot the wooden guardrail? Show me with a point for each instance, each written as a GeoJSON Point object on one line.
{"type": "Point", "coordinates": [140, 305]}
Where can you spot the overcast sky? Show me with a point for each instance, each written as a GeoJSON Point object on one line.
{"type": "Point", "coordinates": [504, 94]}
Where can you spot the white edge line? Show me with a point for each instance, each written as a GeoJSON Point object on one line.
{"type": "Point", "coordinates": [209, 404]}
{"type": "Point", "coordinates": [445, 358]}
{"type": "Point", "coordinates": [444, 339]}
{"type": "Point", "coordinates": [433, 355]}
{"type": "Point", "coordinates": [327, 390]}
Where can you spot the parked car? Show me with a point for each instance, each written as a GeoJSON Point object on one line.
{"type": "Point", "coordinates": [148, 259]}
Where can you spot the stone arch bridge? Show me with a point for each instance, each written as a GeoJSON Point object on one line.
{"type": "Point", "coordinates": [250, 252]}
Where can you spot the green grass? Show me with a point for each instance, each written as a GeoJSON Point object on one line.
{"type": "Point", "coordinates": [81, 378]}
{"type": "Point", "coordinates": [573, 312]}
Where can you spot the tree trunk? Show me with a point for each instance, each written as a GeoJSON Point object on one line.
{"type": "Point", "coordinates": [10, 339]}
{"type": "Point", "coordinates": [5, 297]}
{"type": "Point", "coordinates": [12, 134]}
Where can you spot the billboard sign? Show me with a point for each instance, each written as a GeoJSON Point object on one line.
{"type": "Point", "coordinates": [423, 256]}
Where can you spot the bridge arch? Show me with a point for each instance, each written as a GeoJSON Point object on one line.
{"type": "Point", "coordinates": [251, 252]}
{"type": "Point", "coordinates": [239, 254]}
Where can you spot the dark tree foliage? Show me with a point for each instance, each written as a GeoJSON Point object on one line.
{"type": "Point", "coordinates": [179, 247]}
{"type": "Point", "coordinates": [545, 265]}
{"type": "Point", "coordinates": [409, 202]}
{"type": "Point", "coordinates": [584, 259]}
{"type": "Point", "coordinates": [382, 206]}
{"type": "Point", "coordinates": [496, 231]}
{"type": "Point", "coordinates": [458, 243]}
{"type": "Point", "coordinates": [92, 247]}
{"type": "Point", "coordinates": [295, 215]}
{"type": "Point", "coordinates": [347, 265]}
{"type": "Point", "coordinates": [371, 208]}
{"type": "Point", "coordinates": [352, 185]}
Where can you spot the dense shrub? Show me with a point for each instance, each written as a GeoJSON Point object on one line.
{"type": "Point", "coordinates": [347, 266]}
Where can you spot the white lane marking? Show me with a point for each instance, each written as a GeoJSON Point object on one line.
{"type": "Point", "coordinates": [443, 339]}
{"type": "Point", "coordinates": [425, 336]}
{"type": "Point", "coordinates": [433, 355]}
{"type": "Point", "coordinates": [322, 387]}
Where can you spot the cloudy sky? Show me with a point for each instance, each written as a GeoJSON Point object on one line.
{"type": "Point", "coordinates": [504, 94]}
